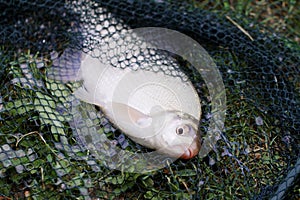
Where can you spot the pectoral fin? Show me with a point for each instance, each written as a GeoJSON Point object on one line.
{"type": "Point", "coordinates": [88, 97]}
{"type": "Point", "coordinates": [129, 114]}
{"type": "Point", "coordinates": [136, 124]}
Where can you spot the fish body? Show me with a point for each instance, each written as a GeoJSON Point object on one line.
{"type": "Point", "coordinates": [156, 110]}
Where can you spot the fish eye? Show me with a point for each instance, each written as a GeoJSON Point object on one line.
{"type": "Point", "coordinates": [180, 130]}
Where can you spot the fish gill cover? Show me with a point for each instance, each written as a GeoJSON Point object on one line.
{"type": "Point", "coordinates": [56, 143]}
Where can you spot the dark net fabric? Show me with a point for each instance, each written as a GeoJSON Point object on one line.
{"type": "Point", "coordinates": [257, 156]}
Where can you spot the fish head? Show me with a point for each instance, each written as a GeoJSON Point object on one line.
{"type": "Point", "coordinates": [172, 133]}
{"type": "Point", "coordinates": [180, 135]}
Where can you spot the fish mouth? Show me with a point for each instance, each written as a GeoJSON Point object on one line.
{"type": "Point", "coordinates": [191, 151]}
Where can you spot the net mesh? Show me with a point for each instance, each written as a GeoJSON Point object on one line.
{"type": "Point", "coordinates": [41, 154]}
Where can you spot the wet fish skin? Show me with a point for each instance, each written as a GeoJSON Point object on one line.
{"type": "Point", "coordinates": [153, 128]}
{"type": "Point", "coordinates": [179, 136]}
{"type": "Point", "coordinates": [170, 132]}
{"type": "Point", "coordinates": [153, 118]}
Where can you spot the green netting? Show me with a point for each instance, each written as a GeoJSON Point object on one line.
{"type": "Point", "coordinates": [42, 151]}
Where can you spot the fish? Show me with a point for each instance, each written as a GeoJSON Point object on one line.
{"type": "Point", "coordinates": [158, 111]}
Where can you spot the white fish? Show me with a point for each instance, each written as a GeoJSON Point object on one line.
{"type": "Point", "coordinates": [156, 110]}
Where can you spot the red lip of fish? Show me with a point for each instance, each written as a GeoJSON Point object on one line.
{"type": "Point", "coordinates": [191, 151]}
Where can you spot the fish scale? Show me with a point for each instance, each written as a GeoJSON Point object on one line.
{"type": "Point", "coordinates": [147, 106]}
{"type": "Point", "coordinates": [141, 89]}
{"type": "Point", "coordinates": [159, 110]}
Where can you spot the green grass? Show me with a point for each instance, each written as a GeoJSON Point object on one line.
{"type": "Point", "coordinates": [31, 125]}
{"type": "Point", "coordinates": [281, 16]}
